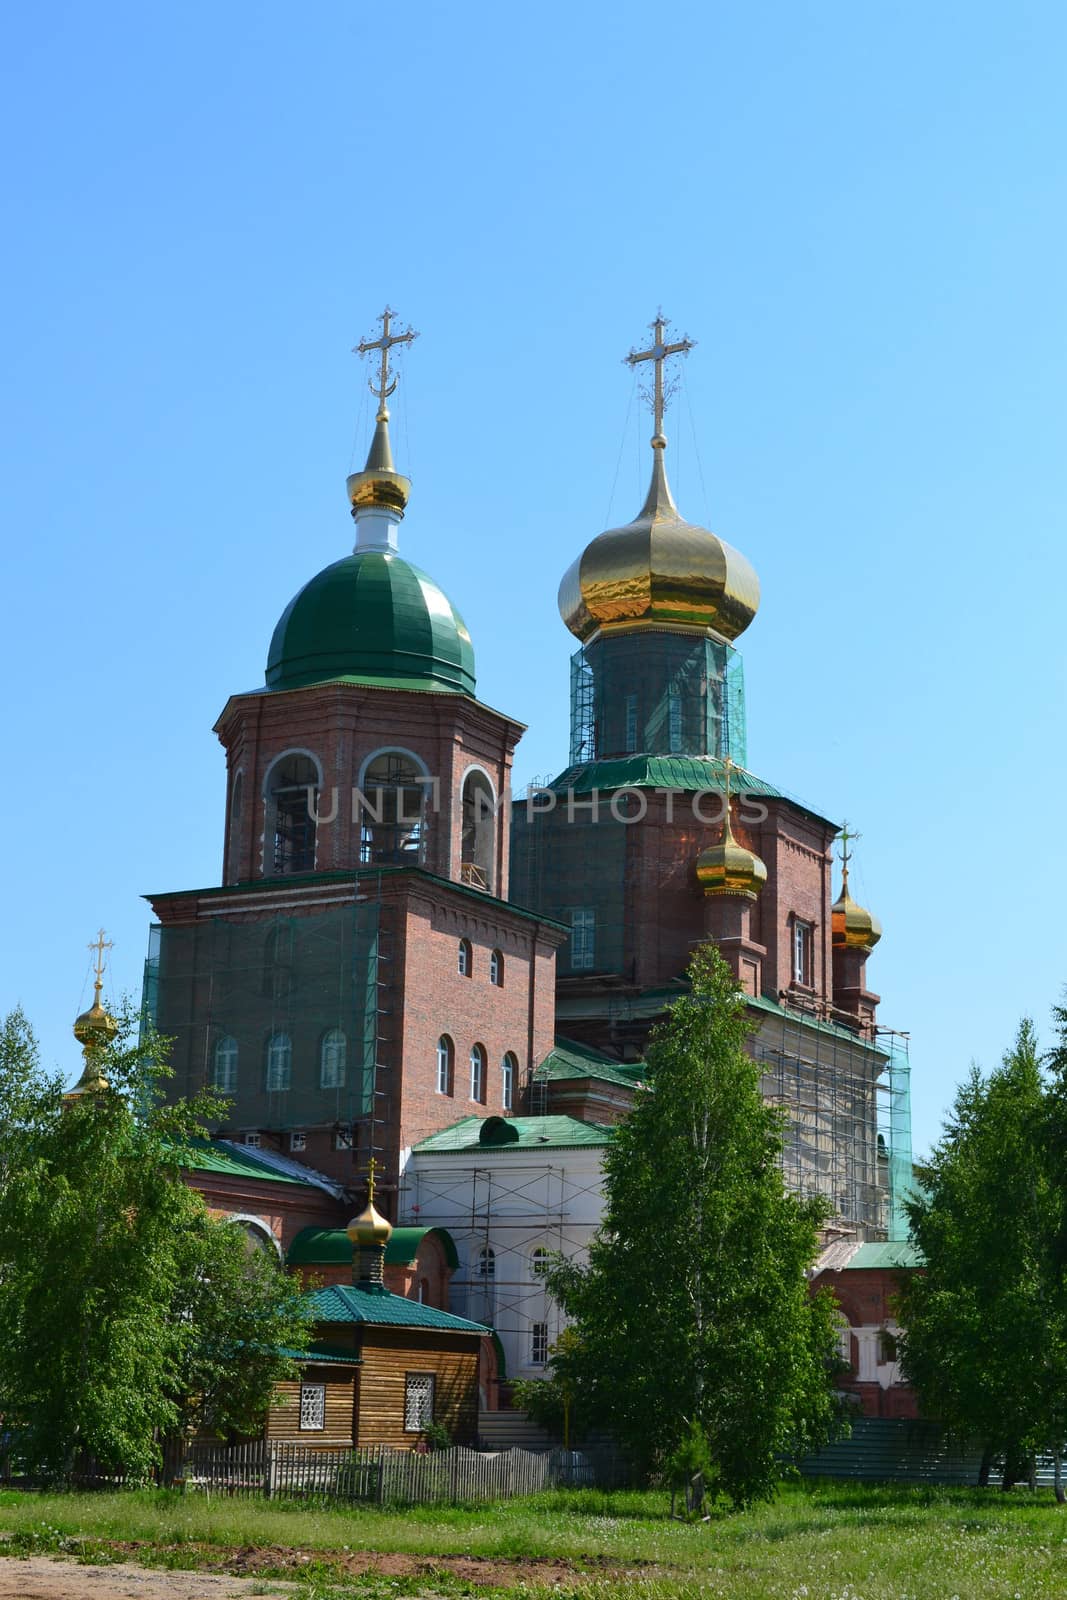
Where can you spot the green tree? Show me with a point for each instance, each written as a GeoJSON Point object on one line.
{"type": "Point", "coordinates": [694, 1308]}
{"type": "Point", "coordinates": [983, 1339]}
{"type": "Point", "coordinates": [126, 1312]}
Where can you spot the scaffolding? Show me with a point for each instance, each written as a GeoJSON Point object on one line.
{"type": "Point", "coordinates": [290, 1017]}
{"type": "Point", "coordinates": [654, 693]}
{"type": "Point", "coordinates": [845, 1098]}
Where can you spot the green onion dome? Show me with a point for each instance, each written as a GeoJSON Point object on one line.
{"type": "Point", "coordinates": [372, 617]}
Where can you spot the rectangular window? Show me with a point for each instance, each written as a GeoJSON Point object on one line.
{"type": "Point", "coordinates": [252, 1140]}
{"type": "Point", "coordinates": [418, 1401]}
{"type": "Point", "coordinates": [312, 1407]}
{"type": "Point", "coordinates": [538, 1343]}
{"type": "Point", "coordinates": [631, 724]}
{"type": "Point", "coordinates": [803, 953]}
{"type": "Point", "coordinates": [297, 1142]}
{"type": "Point", "coordinates": [674, 718]}
{"type": "Point", "coordinates": [583, 938]}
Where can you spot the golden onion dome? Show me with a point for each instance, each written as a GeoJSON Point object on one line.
{"type": "Point", "coordinates": [95, 1028]}
{"type": "Point", "coordinates": [659, 571]}
{"type": "Point", "coordinates": [370, 1228]}
{"type": "Point", "coordinates": [729, 867]}
{"type": "Point", "coordinates": [852, 927]}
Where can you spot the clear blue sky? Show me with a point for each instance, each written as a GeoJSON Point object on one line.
{"type": "Point", "coordinates": [860, 211]}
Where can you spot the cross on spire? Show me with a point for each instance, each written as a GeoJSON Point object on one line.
{"type": "Point", "coordinates": [100, 944]}
{"type": "Point", "coordinates": [659, 353]}
{"type": "Point", "coordinates": [387, 378]}
{"type": "Point", "coordinates": [847, 837]}
{"type": "Point", "coordinates": [372, 1168]}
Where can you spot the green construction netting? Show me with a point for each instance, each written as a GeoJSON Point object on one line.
{"type": "Point", "coordinates": [281, 1014]}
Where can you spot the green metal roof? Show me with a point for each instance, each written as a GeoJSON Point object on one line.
{"type": "Point", "coordinates": [331, 1247]}
{"type": "Point", "coordinates": [372, 615]}
{"type": "Point", "coordinates": [343, 1302]}
{"type": "Point", "coordinates": [329, 1354]}
{"type": "Point", "coordinates": [201, 1155]}
{"type": "Point", "coordinates": [570, 1060]}
{"type": "Point", "coordinates": [899, 1253]}
{"type": "Point", "coordinates": [533, 1133]}
{"type": "Point", "coordinates": [800, 1018]}
{"type": "Point", "coordinates": [661, 772]}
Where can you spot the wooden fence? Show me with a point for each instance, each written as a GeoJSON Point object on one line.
{"type": "Point", "coordinates": [378, 1475]}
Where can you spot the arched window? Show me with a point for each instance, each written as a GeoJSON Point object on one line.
{"type": "Point", "coordinates": [225, 1076]}
{"type": "Point", "coordinates": [484, 1286]}
{"type": "Point", "coordinates": [478, 833]}
{"type": "Point", "coordinates": [539, 1261]}
{"type": "Point", "coordinates": [237, 795]}
{"type": "Point", "coordinates": [508, 1071]}
{"type": "Point", "coordinates": [465, 958]}
{"type": "Point", "coordinates": [332, 1059]}
{"type": "Point", "coordinates": [292, 801]}
{"type": "Point", "coordinates": [478, 1072]}
{"type": "Point", "coordinates": [278, 962]}
{"type": "Point", "coordinates": [446, 1056]}
{"type": "Point", "coordinates": [392, 804]}
{"type": "Point", "coordinates": [496, 969]}
{"type": "Point", "coordinates": [279, 1062]}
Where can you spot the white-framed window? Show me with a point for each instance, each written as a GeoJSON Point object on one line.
{"type": "Point", "coordinates": [485, 1286]}
{"type": "Point", "coordinates": [496, 969]}
{"type": "Point", "coordinates": [342, 1136]}
{"type": "Point", "coordinates": [803, 953]}
{"type": "Point", "coordinates": [225, 1078]}
{"type": "Point", "coordinates": [332, 1054]}
{"type": "Point", "coordinates": [508, 1072]}
{"type": "Point", "coordinates": [297, 1141]}
{"type": "Point", "coordinates": [465, 958]}
{"type": "Point", "coordinates": [478, 1073]}
{"type": "Point", "coordinates": [446, 1055]}
{"type": "Point", "coordinates": [539, 1261]}
{"type": "Point", "coordinates": [279, 1062]}
{"type": "Point", "coordinates": [583, 938]}
{"type": "Point", "coordinates": [418, 1401]}
{"type": "Point", "coordinates": [312, 1407]}
{"type": "Point", "coordinates": [252, 1140]}
{"type": "Point", "coordinates": [630, 744]}
{"type": "Point", "coordinates": [538, 1343]}
{"type": "Point", "coordinates": [674, 718]}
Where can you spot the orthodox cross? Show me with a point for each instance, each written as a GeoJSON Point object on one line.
{"type": "Point", "coordinates": [727, 774]}
{"type": "Point", "coordinates": [387, 379]}
{"type": "Point", "coordinates": [847, 837]}
{"type": "Point", "coordinates": [659, 353]}
{"type": "Point", "coordinates": [372, 1167]}
{"type": "Point", "coordinates": [100, 944]}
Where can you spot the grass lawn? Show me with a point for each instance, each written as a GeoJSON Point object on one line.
{"type": "Point", "coordinates": [818, 1541]}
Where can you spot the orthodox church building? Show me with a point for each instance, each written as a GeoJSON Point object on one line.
{"type": "Point", "coordinates": [399, 964]}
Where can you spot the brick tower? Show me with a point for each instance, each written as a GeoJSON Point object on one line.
{"type": "Point", "coordinates": [359, 979]}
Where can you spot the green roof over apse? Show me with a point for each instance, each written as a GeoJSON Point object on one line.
{"type": "Point", "coordinates": [571, 1060]}
{"type": "Point", "coordinates": [483, 1134]}
{"type": "Point", "coordinates": [342, 1302]}
{"type": "Point", "coordinates": [661, 772]}
{"type": "Point", "coordinates": [331, 1247]}
{"type": "Point", "coordinates": [372, 617]}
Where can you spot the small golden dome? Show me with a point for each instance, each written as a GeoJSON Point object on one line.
{"type": "Point", "coordinates": [370, 1228]}
{"type": "Point", "coordinates": [728, 867]}
{"type": "Point", "coordinates": [659, 571]}
{"type": "Point", "coordinates": [379, 484]}
{"type": "Point", "coordinates": [95, 1028]}
{"type": "Point", "coordinates": [852, 927]}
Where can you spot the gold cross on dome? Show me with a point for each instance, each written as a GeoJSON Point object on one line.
{"type": "Point", "coordinates": [372, 1167]}
{"type": "Point", "coordinates": [659, 353]}
{"type": "Point", "coordinates": [387, 378]}
{"type": "Point", "coordinates": [847, 837]}
{"type": "Point", "coordinates": [100, 944]}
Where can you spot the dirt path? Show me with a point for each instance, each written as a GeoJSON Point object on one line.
{"type": "Point", "coordinates": [40, 1578]}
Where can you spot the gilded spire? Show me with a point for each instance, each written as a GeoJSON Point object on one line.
{"type": "Point", "coordinates": [379, 488]}
{"type": "Point", "coordinates": [852, 927]}
{"type": "Point", "coordinates": [94, 1029]}
{"type": "Point", "coordinates": [729, 867]}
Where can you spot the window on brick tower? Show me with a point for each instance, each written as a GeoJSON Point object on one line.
{"type": "Point", "coordinates": [292, 801]}
{"type": "Point", "coordinates": [478, 1073]}
{"type": "Point", "coordinates": [225, 1078]}
{"type": "Point", "coordinates": [446, 1055]}
{"type": "Point", "coordinates": [496, 969]}
{"type": "Point", "coordinates": [803, 953]}
{"type": "Point", "coordinates": [583, 938]}
{"type": "Point", "coordinates": [478, 839]}
{"type": "Point", "coordinates": [464, 959]}
{"type": "Point", "coordinates": [395, 792]}
{"type": "Point", "coordinates": [332, 1054]}
{"type": "Point", "coordinates": [508, 1071]}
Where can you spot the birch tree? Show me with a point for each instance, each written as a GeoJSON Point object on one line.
{"type": "Point", "coordinates": [695, 1307]}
